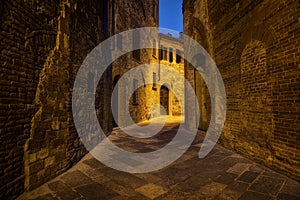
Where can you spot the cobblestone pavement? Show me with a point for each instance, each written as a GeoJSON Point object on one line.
{"type": "Point", "coordinates": [221, 175]}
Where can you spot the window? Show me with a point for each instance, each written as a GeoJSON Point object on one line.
{"type": "Point", "coordinates": [178, 56]}
{"type": "Point", "coordinates": [161, 53]}
{"type": "Point", "coordinates": [136, 45]}
{"type": "Point", "coordinates": [154, 48]}
{"type": "Point", "coordinates": [135, 96]}
{"type": "Point", "coordinates": [170, 55]}
{"type": "Point", "coordinates": [119, 41]}
{"type": "Point", "coordinates": [154, 81]}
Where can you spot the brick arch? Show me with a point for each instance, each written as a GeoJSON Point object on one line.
{"type": "Point", "coordinates": [251, 32]}
{"type": "Point", "coordinates": [254, 104]}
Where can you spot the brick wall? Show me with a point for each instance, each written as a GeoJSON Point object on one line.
{"type": "Point", "coordinates": [256, 47]}
{"type": "Point", "coordinates": [28, 33]}
{"type": "Point", "coordinates": [42, 46]}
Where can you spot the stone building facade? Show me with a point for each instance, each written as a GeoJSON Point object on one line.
{"type": "Point", "coordinates": [255, 45]}
{"type": "Point", "coordinates": [167, 51]}
{"type": "Point", "coordinates": [130, 15]}
{"type": "Point", "coordinates": [171, 55]}
{"type": "Point", "coordinates": [43, 44]}
{"type": "Point", "coordinates": [144, 102]}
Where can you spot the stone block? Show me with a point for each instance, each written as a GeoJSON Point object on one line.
{"type": "Point", "coordinates": [42, 154]}
{"type": "Point", "coordinates": [35, 167]}
{"type": "Point", "coordinates": [151, 190]}
{"type": "Point", "coordinates": [49, 161]}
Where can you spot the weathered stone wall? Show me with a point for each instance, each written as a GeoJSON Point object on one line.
{"type": "Point", "coordinates": [130, 15]}
{"type": "Point", "coordinates": [28, 34]}
{"type": "Point", "coordinates": [198, 28]}
{"type": "Point", "coordinates": [149, 94]}
{"type": "Point", "coordinates": [169, 44]}
{"type": "Point", "coordinates": [256, 47]}
{"type": "Point", "coordinates": [42, 46]}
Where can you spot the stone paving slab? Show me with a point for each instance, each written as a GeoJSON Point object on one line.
{"type": "Point", "coordinates": [62, 190]}
{"type": "Point", "coordinates": [221, 175]}
{"type": "Point", "coordinates": [151, 190]}
{"type": "Point", "coordinates": [248, 176]}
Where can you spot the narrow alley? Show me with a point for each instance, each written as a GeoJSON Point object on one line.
{"type": "Point", "coordinates": [222, 175]}
{"type": "Point", "coordinates": [77, 76]}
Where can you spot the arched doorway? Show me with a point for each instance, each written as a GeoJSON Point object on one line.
{"type": "Point", "coordinates": [164, 98]}
{"type": "Point", "coordinates": [115, 101]}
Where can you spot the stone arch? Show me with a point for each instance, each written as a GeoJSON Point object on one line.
{"type": "Point", "coordinates": [255, 111]}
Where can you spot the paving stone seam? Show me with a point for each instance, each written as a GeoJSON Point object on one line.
{"type": "Point", "coordinates": [261, 193]}
{"type": "Point", "coordinates": [282, 185]}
